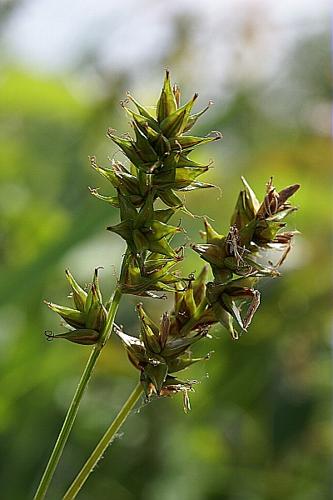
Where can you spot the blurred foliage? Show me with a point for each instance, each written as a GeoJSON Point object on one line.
{"type": "Point", "coordinates": [260, 428]}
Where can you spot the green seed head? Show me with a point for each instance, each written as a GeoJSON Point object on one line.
{"type": "Point", "coordinates": [87, 318]}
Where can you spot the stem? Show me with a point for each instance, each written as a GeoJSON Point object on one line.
{"type": "Point", "coordinates": [74, 406]}
{"type": "Point", "coordinates": [103, 444]}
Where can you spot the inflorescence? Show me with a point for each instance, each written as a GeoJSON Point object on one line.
{"type": "Point", "coordinates": [160, 169]}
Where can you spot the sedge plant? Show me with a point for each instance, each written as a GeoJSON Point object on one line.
{"type": "Point", "coordinates": [158, 170]}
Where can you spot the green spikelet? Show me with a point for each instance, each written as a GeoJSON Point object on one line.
{"type": "Point", "coordinates": [155, 139]}
{"type": "Point", "coordinates": [88, 318]}
{"type": "Point", "coordinates": [157, 353]}
{"type": "Point", "coordinates": [236, 259]}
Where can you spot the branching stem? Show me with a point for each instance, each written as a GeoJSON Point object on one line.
{"type": "Point", "coordinates": [74, 406]}
{"type": "Point", "coordinates": [106, 440]}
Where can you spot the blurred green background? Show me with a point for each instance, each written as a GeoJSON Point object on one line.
{"type": "Point", "coordinates": [261, 420]}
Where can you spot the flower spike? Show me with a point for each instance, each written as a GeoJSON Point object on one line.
{"type": "Point", "coordinates": [87, 320]}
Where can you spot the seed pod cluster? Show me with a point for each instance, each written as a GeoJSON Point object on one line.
{"type": "Point", "coordinates": [191, 311]}
{"type": "Point", "coordinates": [165, 349]}
{"type": "Point", "coordinates": [158, 275]}
{"type": "Point", "coordinates": [160, 167]}
{"type": "Point", "coordinates": [236, 258]}
{"type": "Point", "coordinates": [87, 318]}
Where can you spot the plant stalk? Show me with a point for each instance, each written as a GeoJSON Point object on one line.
{"type": "Point", "coordinates": [74, 406]}
{"type": "Point", "coordinates": [106, 440]}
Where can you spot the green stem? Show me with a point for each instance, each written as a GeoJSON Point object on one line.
{"type": "Point", "coordinates": [103, 444]}
{"type": "Point", "coordinates": [74, 406]}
